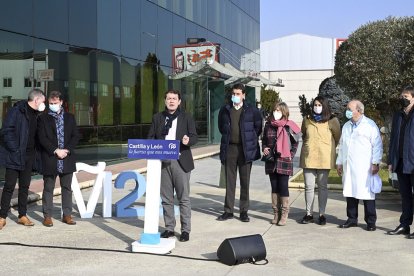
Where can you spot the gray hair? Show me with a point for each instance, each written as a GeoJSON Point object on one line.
{"type": "Point", "coordinates": [359, 106]}
{"type": "Point", "coordinates": [35, 93]}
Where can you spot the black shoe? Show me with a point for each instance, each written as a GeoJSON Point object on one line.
{"type": "Point", "coordinates": [322, 220]}
{"type": "Point", "coordinates": [411, 236]}
{"type": "Point", "coordinates": [307, 219]}
{"type": "Point", "coordinates": [185, 236]}
{"type": "Point", "coordinates": [225, 216]}
{"type": "Point", "coordinates": [167, 234]}
{"type": "Point", "coordinates": [371, 227]}
{"type": "Point", "coordinates": [401, 229]}
{"type": "Point", "coordinates": [244, 217]}
{"type": "Point", "coordinates": [348, 224]}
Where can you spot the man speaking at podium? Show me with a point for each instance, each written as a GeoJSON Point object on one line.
{"type": "Point", "coordinates": [175, 124]}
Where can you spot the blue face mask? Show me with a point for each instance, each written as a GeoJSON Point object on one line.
{"type": "Point", "coordinates": [235, 99]}
{"type": "Point", "coordinates": [54, 107]}
{"type": "Point", "coordinates": [348, 114]}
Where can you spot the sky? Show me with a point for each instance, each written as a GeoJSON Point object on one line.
{"type": "Point", "coordinates": [325, 18]}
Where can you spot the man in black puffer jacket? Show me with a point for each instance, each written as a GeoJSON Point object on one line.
{"type": "Point", "coordinates": [240, 125]}
{"type": "Point", "coordinates": [17, 153]}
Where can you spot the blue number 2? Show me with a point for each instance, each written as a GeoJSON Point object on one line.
{"type": "Point", "coordinates": [122, 208]}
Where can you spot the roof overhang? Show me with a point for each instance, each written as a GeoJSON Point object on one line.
{"type": "Point", "coordinates": [227, 72]}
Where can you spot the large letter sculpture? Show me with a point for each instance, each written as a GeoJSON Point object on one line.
{"type": "Point", "coordinates": [122, 208]}
{"type": "Point", "coordinates": [103, 182]}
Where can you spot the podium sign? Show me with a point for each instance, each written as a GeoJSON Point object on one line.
{"type": "Point", "coordinates": [154, 151]}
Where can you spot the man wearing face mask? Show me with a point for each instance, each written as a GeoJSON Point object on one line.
{"type": "Point", "coordinates": [58, 137]}
{"type": "Point", "coordinates": [359, 156]}
{"type": "Point", "coordinates": [240, 125]}
{"type": "Point", "coordinates": [17, 153]}
{"type": "Point", "coordinates": [400, 158]}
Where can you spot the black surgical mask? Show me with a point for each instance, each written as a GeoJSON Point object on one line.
{"type": "Point", "coordinates": [404, 102]}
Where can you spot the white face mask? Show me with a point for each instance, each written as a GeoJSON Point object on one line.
{"type": "Point", "coordinates": [54, 107]}
{"type": "Point", "coordinates": [317, 109]}
{"type": "Point", "coordinates": [277, 115]}
{"type": "Point", "coordinates": [41, 107]}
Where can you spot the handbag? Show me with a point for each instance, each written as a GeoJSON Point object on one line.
{"type": "Point", "coordinates": [268, 158]}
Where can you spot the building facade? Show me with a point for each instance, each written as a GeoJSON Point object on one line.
{"type": "Point", "coordinates": [113, 60]}
{"type": "Point", "coordinates": [302, 62]}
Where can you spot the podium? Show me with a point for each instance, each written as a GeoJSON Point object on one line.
{"type": "Point", "coordinates": [154, 151]}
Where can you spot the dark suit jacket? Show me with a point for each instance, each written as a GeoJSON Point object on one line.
{"type": "Point", "coordinates": [48, 141]}
{"type": "Point", "coordinates": [185, 126]}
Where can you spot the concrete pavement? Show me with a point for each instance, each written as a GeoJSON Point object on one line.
{"type": "Point", "coordinates": [294, 249]}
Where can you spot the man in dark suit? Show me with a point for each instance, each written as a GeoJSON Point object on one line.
{"type": "Point", "coordinates": [17, 152]}
{"type": "Point", "coordinates": [175, 124]}
{"type": "Point", "coordinates": [400, 158]}
{"type": "Point", "coordinates": [58, 137]}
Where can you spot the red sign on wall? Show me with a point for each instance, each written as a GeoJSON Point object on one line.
{"type": "Point", "coordinates": [184, 57]}
{"type": "Point", "coordinates": [339, 41]}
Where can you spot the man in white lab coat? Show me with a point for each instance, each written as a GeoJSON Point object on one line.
{"type": "Point", "coordinates": [359, 156]}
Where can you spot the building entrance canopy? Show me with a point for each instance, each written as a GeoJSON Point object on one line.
{"type": "Point", "coordinates": [227, 72]}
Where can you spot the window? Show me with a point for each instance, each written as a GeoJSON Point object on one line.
{"type": "Point", "coordinates": [27, 82]}
{"type": "Point", "coordinates": [117, 93]}
{"type": "Point", "coordinates": [127, 92]}
{"type": "Point", "coordinates": [7, 82]}
{"type": "Point", "coordinates": [104, 90]}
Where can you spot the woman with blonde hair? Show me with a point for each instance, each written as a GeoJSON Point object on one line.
{"type": "Point", "coordinates": [280, 142]}
{"type": "Point", "coordinates": [321, 133]}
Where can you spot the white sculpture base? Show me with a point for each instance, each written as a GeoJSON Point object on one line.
{"type": "Point", "coordinates": [165, 246]}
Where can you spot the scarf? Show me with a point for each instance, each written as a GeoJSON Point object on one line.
{"type": "Point", "coordinates": [283, 137]}
{"type": "Point", "coordinates": [60, 135]}
{"type": "Point", "coordinates": [169, 118]}
{"type": "Point", "coordinates": [317, 117]}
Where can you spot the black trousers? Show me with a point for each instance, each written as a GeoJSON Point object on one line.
{"type": "Point", "coordinates": [370, 213]}
{"type": "Point", "coordinates": [406, 182]}
{"type": "Point", "coordinates": [24, 178]}
{"type": "Point", "coordinates": [235, 159]}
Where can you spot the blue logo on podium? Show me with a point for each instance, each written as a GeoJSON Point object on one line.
{"type": "Point", "coordinates": [154, 149]}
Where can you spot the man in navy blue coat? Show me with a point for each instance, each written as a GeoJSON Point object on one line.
{"type": "Point", "coordinates": [400, 158]}
{"type": "Point", "coordinates": [240, 125]}
{"type": "Point", "coordinates": [17, 153]}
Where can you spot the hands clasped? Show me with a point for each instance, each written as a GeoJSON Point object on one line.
{"type": "Point", "coordinates": [61, 153]}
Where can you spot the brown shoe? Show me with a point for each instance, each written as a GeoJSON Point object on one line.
{"type": "Point", "coordinates": [24, 220]}
{"type": "Point", "coordinates": [68, 220]}
{"type": "Point", "coordinates": [48, 222]}
{"type": "Point", "coordinates": [2, 223]}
